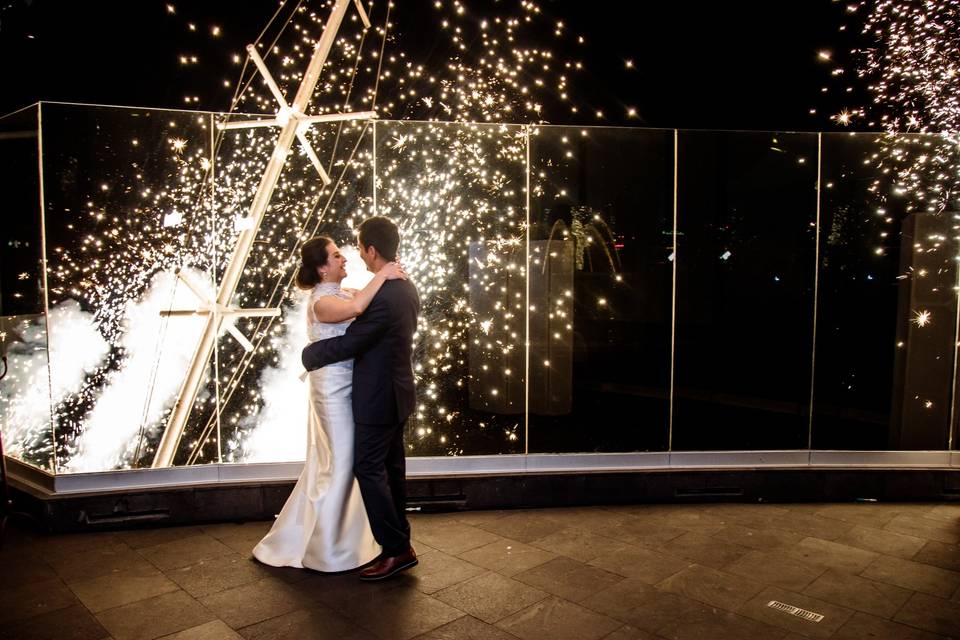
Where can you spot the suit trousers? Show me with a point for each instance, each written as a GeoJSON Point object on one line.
{"type": "Point", "coordinates": [381, 470]}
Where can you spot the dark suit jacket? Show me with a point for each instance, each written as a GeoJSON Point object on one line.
{"type": "Point", "coordinates": [381, 340]}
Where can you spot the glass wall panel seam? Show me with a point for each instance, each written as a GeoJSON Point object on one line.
{"type": "Point", "coordinates": [816, 293]}
{"type": "Point", "coordinates": [952, 426]}
{"type": "Point", "coordinates": [213, 276]}
{"type": "Point", "coordinates": [526, 335]}
{"type": "Point", "coordinates": [673, 295]}
{"type": "Point", "coordinates": [46, 296]}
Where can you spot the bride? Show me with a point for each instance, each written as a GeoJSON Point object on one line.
{"type": "Point", "coordinates": [323, 525]}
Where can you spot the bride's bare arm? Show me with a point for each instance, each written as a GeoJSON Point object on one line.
{"type": "Point", "coordinates": [333, 309]}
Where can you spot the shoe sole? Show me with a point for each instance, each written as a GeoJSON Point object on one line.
{"type": "Point", "coordinates": [403, 567]}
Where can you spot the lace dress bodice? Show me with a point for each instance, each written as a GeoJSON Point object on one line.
{"type": "Point", "coordinates": [323, 330]}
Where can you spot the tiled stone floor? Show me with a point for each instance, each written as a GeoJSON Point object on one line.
{"type": "Point", "coordinates": [620, 573]}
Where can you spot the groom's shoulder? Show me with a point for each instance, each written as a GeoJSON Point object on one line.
{"type": "Point", "coordinates": [399, 289]}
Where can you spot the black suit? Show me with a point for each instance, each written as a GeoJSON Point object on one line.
{"type": "Point", "coordinates": [381, 340]}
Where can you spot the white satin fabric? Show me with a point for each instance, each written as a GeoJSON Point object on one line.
{"type": "Point", "coordinates": [323, 525]}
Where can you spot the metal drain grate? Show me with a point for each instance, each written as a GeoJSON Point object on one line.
{"type": "Point", "coordinates": [795, 611]}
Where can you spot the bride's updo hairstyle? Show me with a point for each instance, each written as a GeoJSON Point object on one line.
{"type": "Point", "coordinates": [313, 254]}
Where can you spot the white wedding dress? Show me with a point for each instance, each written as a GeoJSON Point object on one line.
{"type": "Point", "coordinates": [323, 525]}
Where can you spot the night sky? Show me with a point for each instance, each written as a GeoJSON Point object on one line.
{"type": "Point", "coordinates": [735, 65]}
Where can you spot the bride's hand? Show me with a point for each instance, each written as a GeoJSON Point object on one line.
{"type": "Point", "coordinates": [393, 271]}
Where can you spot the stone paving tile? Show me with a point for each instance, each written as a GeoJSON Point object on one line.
{"type": "Point", "coordinates": [834, 616]}
{"type": "Point", "coordinates": [154, 617]}
{"type": "Point", "coordinates": [526, 526]}
{"type": "Point", "coordinates": [568, 578]}
{"type": "Point", "coordinates": [73, 623]}
{"type": "Point", "coordinates": [812, 525]}
{"type": "Point", "coordinates": [938, 554]}
{"type": "Point", "coordinates": [776, 569]}
{"type": "Point", "coordinates": [213, 575]}
{"type": "Point", "coordinates": [862, 514]}
{"type": "Point", "coordinates": [915, 576]}
{"type": "Point", "coordinates": [758, 516]}
{"type": "Point", "coordinates": [556, 619]}
{"type": "Point", "coordinates": [491, 597]}
{"type": "Point", "coordinates": [945, 512]}
{"type": "Point", "coordinates": [626, 632]}
{"type": "Point", "coordinates": [33, 599]}
{"type": "Point", "coordinates": [91, 563]}
{"type": "Point", "coordinates": [241, 538]}
{"type": "Point", "coordinates": [121, 587]}
{"type": "Point", "coordinates": [758, 539]}
{"type": "Point", "coordinates": [858, 593]}
{"type": "Point", "coordinates": [315, 623]}
{"type": "Point", "coordinates": [578, 544]}
{"type": "Point", "coordinates": [692, 520]}
{"type": "Point", "coordinates": [453, 537]}
{"type": "Point", "coordinates": [832, 554]}
{"type": "Point", "coordinates": [139, 538]}
{"type": "Point", "coordinates": [882, 541]}
{"type": "Point", "coordinates": [644, 532]}
{"type": "Point", "coordinates": [438, 570]}
{"type": "Point", "coordinates": [715, 623]}
{"type": "Point", "coordinates": [70, 545]}
{"type": "Point", "coordinates": [467, 628]}
{"type": "Point", "coordinates": [931, 614]}
{"type": "Point", "coordinates": [909, 524]}
{"type": "Point", "coordinates": [712, 587]}
{"type": "Point", "coordinates": [863, 626]}
{"type": "Point", "coordinates": [473, 518]}
{"type": "Point", "coordinates": [254, 602]}
{"type": "Point", "coordinates": [23, 568]}
{"type": "Point", "coordinates": [398, 614]}
{"type": "Point", "coordinates": [704, 549]}
{"type": "Point", "coordinates": [214, 630]}
{"type": "Point", "coordinates": [621, 599]}
{"type": "Point", "coordinates": [185, 551]}
{"type": "Point", "coordinates": [641, 562]}
{"type": "Point", "coordinates": [596, 519]}
{"type": "Point", "coordinates": [508, 557]}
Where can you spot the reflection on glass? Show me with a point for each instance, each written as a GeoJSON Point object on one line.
{"type": "Point", "coordinates": [601, 241]}
{"type": "Point", "coordinates": [457, 192]}
{"type": "Point", "coordinates": [25, 391]}
{"type": "Point", "coordinates": [125, 206]}
{"type": "Point", "coordinates": [886, 309]}
{"type": "Point", "coordinates": [746, 226]}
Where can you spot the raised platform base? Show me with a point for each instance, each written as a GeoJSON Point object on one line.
{"type": "Point", "coordinates": [261, 500]}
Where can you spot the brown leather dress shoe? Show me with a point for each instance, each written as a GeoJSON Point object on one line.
{"type": "Point", "coordinates": [389, 566]}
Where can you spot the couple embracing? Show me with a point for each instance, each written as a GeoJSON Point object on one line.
{"type": "Point", "coordinates": [347, 509]}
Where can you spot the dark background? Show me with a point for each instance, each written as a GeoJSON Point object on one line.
{"type": "Point", "coordinates": [734, 65]}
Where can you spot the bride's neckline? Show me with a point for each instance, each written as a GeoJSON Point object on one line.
{"type": "Point", "coordinates": [327, 286]}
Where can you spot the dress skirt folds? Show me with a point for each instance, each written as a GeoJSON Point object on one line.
{"type": "Point", "coordinates": [323, 525]}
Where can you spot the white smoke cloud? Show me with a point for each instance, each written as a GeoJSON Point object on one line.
{"type": "Point", "coordinates": [138, 393]}
{"type": "Point", "coordinates": [75, 347]}
{"type": "Point", "coordinates": [279, 429]}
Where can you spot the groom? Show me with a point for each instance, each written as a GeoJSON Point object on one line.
{"type": "Point", "coordinates": [381, 340]}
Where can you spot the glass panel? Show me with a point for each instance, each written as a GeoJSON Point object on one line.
{"type": "Point", "coordinates": [886, 308]}
{"type": "Point", "coordinates": [263, 400]}
{"type": "Point", "coordinates": [458, 194]}
{"type": "Point", "coordinates": [25, 391]}
{"type": "Point", "coordinates": [746, 227]}
{"type": "Point", "coordinates": [601, 239]}
{"type": "Point", "coordinates": [126, 208]}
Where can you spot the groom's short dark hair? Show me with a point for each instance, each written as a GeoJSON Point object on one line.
{"type": "Point", "coordinates": [382, 234]}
